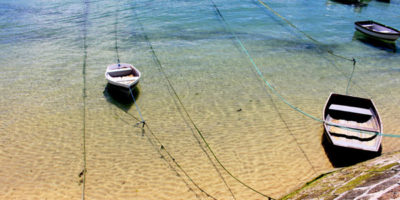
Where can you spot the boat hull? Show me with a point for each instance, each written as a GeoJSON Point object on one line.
{"type": "Point", "coordinates": [377, 30]}
{"type": "Point", "coordinates": [352, 122]}
{"type": "Point", "coordinates": [123, 75]}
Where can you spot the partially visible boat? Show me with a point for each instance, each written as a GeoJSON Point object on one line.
{"type": "Point", "coordinates": [352, 122]}
{"type": "Point", "coordinates": [377, 30]}
{"type": "Point", "coordinates": [359, 3]}
{"type": "Point", "coordinates": [122, 75]}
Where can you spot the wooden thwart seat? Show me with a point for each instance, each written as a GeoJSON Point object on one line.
{"type": "Point", "coordinates": [351, 127]}
{"type": "Point", "coordinates": [350, 109]}
{"type": "Point", "coordinates": [124, 78]}
{"type": "Point", "coordinates": [340, 128]}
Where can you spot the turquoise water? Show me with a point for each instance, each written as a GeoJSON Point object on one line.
{"type": "Point", "coordinates": [56, 111]}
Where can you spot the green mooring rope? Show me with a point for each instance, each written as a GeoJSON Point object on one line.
{"type": "Point", "coordinates": [282, 98]}
{"type": "Point", "coordinates": [304, 33]}
{"type": "Point", "coordinates": [272, 101]}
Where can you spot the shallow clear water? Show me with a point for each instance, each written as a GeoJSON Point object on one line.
{"type": "Point", "coordinates": [48, 125]}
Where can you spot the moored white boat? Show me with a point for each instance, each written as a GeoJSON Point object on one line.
{"type": "Point", "coordinates": [123, 75]}
{"type": "Point", "coordinates": [377, 30]}
{"type": "Point", "coordinates": [352, 122]}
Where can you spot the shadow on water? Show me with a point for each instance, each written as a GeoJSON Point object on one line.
{"type": "Point", "coordinates": [376, 43]}
{"type": "Point", "coordinates": [120, 97]}
{"type": "Point", "coordinates": [343, 157]}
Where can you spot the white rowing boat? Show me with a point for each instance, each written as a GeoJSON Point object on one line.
{"type": "Point", "coordinates": [122, 75]}
{"type": "Point", "coordinates": [377, 30]}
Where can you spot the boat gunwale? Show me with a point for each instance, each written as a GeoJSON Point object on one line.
{"type": "Point", "coordinates": [360, 24]}
{"type": "Point", "coordinates": [376, 115]}
{"type": "Point", "coordinates": [118, 84]}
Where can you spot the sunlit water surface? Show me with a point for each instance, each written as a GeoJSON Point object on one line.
{"type": "Point", "coordinates": [56, 116]}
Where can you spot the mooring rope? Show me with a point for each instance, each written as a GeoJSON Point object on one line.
{"type": "Point", "coordinates": [161, 147]}
{"type": "Point", "coordinates": [199, 132]}
{"type": "Point", "coordinates": [176, 104]}
{"type": "Point", "coordinates": [161, 69]}
{"type": "Point", "coordinates": [287, 102]}
{"type": "Point", "coordinates": [351, 76]}
{"type": "Point", "coordinates": [312, 39]}
{"type": "Point", "coordinates": [226, 25]}
{"type": "Point", "coordinates": [156, 146]}
{"type": "Point", "coordinates": [116, 33]}
{"type": "Point", "coordinates": [118, 61]}
{"type": "Point", "coordinates": [200, 144]}
{"type": "Point", "coordinates": [144, 124]}
{"type": "Point", "coordinates": [137, 108]}
{"type": "Point", "coordinates": [304, 33]}
{"type": "Point", "coordinates": [84, 95]}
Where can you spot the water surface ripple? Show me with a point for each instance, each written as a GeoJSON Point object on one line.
{"type": "Point", "coordinates": [257, 137]}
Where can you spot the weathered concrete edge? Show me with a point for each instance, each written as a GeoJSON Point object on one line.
{"type": "Point", "coordinates": [383, 162]}
{"type": "Point", "coordinates": [309, 184]}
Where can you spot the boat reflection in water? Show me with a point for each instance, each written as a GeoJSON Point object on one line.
{"type": "Point", "coordinates": [121, 97]}
{"type": "Point", "coordinates": [374, 42]}
{"type": "Point", "coordinates": [357, 4]}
